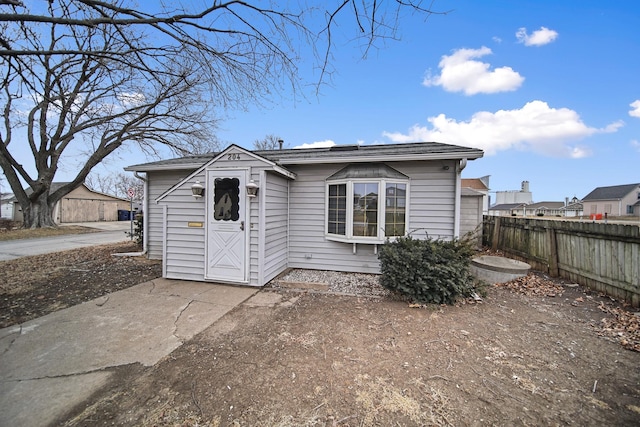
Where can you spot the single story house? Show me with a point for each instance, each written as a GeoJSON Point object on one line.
{"type": "Point", "coordinates": [506, 209]}
{"type": "Point", "coordinates": [80, 205]}
{"type": "Point", "coordinates": [572, 208]}
{"type": "Point", "coordinates": [616, 200]}
{"type": "Point", "coordinates": [243, 217]}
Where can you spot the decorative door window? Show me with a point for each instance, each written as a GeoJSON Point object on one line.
{"type": "Point", "coordinates": [226, 199]}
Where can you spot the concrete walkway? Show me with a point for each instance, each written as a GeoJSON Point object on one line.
{"type": "Point", "coordinates": [110, 232]}
{"type": "Point", "coordinates": [50, 364]}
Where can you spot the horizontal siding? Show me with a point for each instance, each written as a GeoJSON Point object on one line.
{"type": "Point", "coordinates": [158, 183]}
{"type": "Point", "coordinates": [185, 245]}
{"type": "Point", "coordinates": [431, 212]}
{"type": "Point", "coordinates": [276, 237]}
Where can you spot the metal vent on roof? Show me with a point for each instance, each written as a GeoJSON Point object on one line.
{"type": "Point", "coordinates": [344, 148]}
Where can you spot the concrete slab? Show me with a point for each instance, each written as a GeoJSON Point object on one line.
{"type": "Point", "coordinates": [141, 324]}
{"type": "Point", "coordinates": [495, 269]}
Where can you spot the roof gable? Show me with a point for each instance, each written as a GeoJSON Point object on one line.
{"type": "Point", "coordinates": [227, 151]}
{"type": "Point", "coordinates": [367, 170]}
{"type": "Point", "coordinates": [615, 192]}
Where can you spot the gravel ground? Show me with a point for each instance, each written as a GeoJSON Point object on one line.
{"type": "Point", "coordinates": [337, 282]}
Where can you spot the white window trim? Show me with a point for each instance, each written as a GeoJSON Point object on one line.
{"type": "Point", "coordinates": [382, 186]}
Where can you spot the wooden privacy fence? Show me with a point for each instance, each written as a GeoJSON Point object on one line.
{"type": "Point", "coordinates": [603, 257]}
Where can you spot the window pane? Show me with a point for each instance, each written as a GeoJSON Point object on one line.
{"type": "Point", "coordinates": [337, 209]}
{"type": "Point", "coordinates": [365, 209]}
{"type": "Point", "coordinates": [396, 201]}
{"type": "Point", "coordinates": [226, 199]}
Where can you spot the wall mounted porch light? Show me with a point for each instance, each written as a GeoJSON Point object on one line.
{"type": "Point", "coordinates": [252, 189]}
{"type": "Point", "coordinates": [197, 190]}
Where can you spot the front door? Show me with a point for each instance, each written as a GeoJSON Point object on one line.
{"type": "Point", "coordinates": [226, 230]}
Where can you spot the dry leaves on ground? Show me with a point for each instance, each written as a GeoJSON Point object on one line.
{"type": "Point", "coordinates": [623, 326]}
{"type": "Point", "coordinates": [33, 286]}
{"type": "Point", "coordinates": [534, 284]}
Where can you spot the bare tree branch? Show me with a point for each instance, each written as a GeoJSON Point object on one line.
{"type": "Point", "coordinates": [83, 78]}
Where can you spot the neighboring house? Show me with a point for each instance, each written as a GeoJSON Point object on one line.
{"type": "Point", "coordinates": [572, 208]}
{"type": "Point", "coordinates": [323, 208]}
{"type": "Point", "coordinates": [506, 209]}
{"type": "Point", "coordinates": [562, 209]}
{"type": "Point", "coordinates": [81, 205]}
{"type": "Point", "coordinates": [480, 185]}
{"type": "Point", "coordinates": [541, 209]}
{"type": "Point", "coordinates": [6, 205]}
{"type": "Point", "coordinates": [617, 200]}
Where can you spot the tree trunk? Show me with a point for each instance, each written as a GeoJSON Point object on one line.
{"type": "Point", "coordinates": [39, 213]}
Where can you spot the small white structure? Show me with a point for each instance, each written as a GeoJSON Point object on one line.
{"type": "Point", "coordinates": [6, 206]}
{"type": "Point", "coordinates": [515, 196]}
{"type": "Point", "coordinates": [243, 216]}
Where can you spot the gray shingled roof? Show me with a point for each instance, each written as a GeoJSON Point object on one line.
{"type": "Point", "coordinates": [506, 206]}
{"type": "Point", "coordinates": [335, 154]}
{"type": "Point", "coordinates": [615, 192]}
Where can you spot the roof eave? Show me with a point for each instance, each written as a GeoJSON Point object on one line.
{"type": "Point", "coordinates": [382, 158]}
{"type": "Point", "coordinates": [167, 167]}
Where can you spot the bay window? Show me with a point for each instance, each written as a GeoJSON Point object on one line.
{"type": "Point", "coordinates": [366, 204]}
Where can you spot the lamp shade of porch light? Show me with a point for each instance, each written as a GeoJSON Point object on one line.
{"type": "Point", "coordinates": [252, 189]}
{"type": "Point", "coordinates": [197, 190]}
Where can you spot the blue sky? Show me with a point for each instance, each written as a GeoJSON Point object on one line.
{"type": "Point", "coordinates": [550, 90]}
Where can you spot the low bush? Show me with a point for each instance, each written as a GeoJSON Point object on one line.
{"type": "Point", "coordinates": [138, 229]}
{"type": "Point", "coordinates": [427, 271]}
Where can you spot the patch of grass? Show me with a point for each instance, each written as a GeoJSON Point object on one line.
{"type": "Point", "coordinates": [32, 233]}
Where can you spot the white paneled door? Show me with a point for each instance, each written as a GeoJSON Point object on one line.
{"type": "Point", "coordinates": [226, 225]}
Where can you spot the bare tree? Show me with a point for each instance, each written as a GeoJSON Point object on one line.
{"type": "Point", "coordinates": [85, 77]}
{"type": "Point", "coordinates": [269, 142]}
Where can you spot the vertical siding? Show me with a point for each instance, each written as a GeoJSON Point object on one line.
{"type": "Point", "coordinates": [276, 218]}
{"type": "Point", "coordinates": [158, 183]}
{"type": "Point", "coordinates": [431, 212]}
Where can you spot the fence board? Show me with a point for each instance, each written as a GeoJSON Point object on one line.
{"type": "Point", "coordinates": [604, 257]}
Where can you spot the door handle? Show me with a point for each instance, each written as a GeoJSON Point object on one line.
{"type": "Point", "coordinates": [242, 225]}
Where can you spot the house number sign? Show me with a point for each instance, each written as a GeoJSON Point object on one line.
{"type": "Point", "coordinates": [233, 156]}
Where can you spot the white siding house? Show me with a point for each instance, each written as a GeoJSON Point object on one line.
{"type": "Point", "coordinates": [327, 208]}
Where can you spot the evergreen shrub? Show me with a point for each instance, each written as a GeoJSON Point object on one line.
{"type": "Point", "coordinates": [138, 229]}
{"type": "Point", "coordinates": [427, 271]}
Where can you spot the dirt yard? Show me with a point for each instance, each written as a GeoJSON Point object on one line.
{"type": "Point", "coordinates": [534, 352]}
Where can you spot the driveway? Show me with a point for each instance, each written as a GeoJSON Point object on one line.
{"type": "Point", "coordinates": [109, 232]}
{"type": "Point", "coordinates": [51, 364]}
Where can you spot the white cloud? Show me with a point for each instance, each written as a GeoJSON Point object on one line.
{"type": "Point", "coordinates": [534, 127]}
{"type": "Point", "coordinates": [131, 99]}
{"type": "Point", "coordinates": [537, 38]}
{"type": "Point", "coordinates": [460, 72]}
{"type": "Point", "coordinates": [318, 144]}
{"type": "Point", "coordinates": [635, 112]}
{"type": "Point", "coordinates": [635, 144]}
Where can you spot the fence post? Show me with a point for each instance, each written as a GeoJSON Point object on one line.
{"type": "Point", "coordinates": [553, 252]}
{"type": "Point", "coordinates": [496, 233]}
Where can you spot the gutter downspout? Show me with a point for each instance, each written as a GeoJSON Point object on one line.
{"type": "Point", "coordinates": [145, 210]}
{"type": "Point", "coordinates": [458, 198]}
